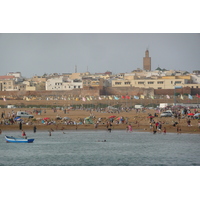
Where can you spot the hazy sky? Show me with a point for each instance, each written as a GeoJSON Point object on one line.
{"type": "Point", "coordinates": [42, 53]}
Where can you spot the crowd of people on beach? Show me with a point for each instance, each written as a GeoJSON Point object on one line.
{"type": "Point", "coordinates": [155, 123]}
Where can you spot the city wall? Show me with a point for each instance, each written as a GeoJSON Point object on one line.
{"type": "Point", "coordinates": [127, 91]}
{"type": "Point", "coordinates": [185, 90]}
{"type": "Point", "coordinates": [92, 91]}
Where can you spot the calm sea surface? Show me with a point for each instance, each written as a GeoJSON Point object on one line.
{"type": "Point", "coordinates": [81, 148]}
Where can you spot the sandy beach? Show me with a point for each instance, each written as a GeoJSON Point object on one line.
{"type": "Point", "coordinates": [139, 121]}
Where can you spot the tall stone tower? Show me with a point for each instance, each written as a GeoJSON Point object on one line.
{"type": "Point", "coordinates": [147, 61]}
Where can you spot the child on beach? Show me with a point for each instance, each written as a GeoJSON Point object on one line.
{"type": "Point", "coordinates": [164, 130]}
{"type": "Point", "coordinates": [150, 125]}
{"type": "Point", "coordinates": [178, 129]}
{"type": "Point", "coordinates": [130, 129]}
{"type": "Point", "coordinates": [154, 129]}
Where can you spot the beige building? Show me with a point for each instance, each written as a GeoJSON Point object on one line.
{"type": "Point", "coordinates": [8, 83]}
{"type": "Point", "coordinates": [92, 82]}
{"type": "Point", "coordinates": [166, 82]}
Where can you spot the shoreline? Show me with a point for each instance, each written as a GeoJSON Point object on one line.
{"type": "Point", "coordinates": [90, 127]}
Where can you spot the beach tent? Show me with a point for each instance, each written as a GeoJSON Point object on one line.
{"type": "Point", "coordinates": [65, 118]}
{"type": "Point", "coordinates": [112, 116]}
{"type": "Point", "coordinates": [190, 114]}
{"type": "Point", "coordinates": [88, 120]}
{"type": "Point", "coordinates": [17, 119]}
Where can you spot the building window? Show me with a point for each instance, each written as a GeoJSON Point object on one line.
{"type": "Point", "coordinates": [140, 82]}
{"type": "Point", "coordinates": [197, 87]}
{"type": "Point", "coordinates": [127, 83]}
{"type": "Point", "coordinates": [160, 82]}
{"type": "Point", "coordinates": [117, 83]}
{"type": "Point", "coordinates": [159, 88]}
{"type": "Point", "coordinates": [151, 82]}
{"type": "Point", "coordinates": [177, 82]}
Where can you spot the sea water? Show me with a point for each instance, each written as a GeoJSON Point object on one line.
{"type": "Point", "coordinates": [101, 148]}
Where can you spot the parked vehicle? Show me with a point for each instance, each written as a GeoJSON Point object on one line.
{"type": "Point", "coordinates": [197, 116]}
{"type": "Point", "coordinates": [24, 114]}
{"type": "Point", "coordinates": [139, 106]}
{"type": "Point", "coordinates": [166, 114]}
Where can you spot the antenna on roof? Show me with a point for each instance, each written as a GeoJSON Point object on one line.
{"type": "Point", "coordinates": [75, 69]}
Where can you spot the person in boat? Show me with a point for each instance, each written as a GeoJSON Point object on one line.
{"type": "Point", "coordinates": [24, 134]}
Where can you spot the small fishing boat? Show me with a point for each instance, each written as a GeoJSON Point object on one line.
{"type": "Point", "coordinates": [18, 140]}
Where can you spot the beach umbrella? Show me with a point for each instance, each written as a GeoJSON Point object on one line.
{"type": "Point", "coordinates": [191, 114]}
{"type": "Point", "coordinates": [112, 116]}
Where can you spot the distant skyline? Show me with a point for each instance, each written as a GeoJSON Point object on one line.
{"type": "Point", "coordinates": [36, 54]}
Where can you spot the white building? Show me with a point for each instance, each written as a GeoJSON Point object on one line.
{"type": "Point", "coordinates": [59, 83]}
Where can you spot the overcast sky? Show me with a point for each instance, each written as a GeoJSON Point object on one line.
{"type": "Point", "coordinates": [42, 53]}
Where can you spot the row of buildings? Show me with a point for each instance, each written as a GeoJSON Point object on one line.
{"type": "Point", "coordinates": [139, 78]}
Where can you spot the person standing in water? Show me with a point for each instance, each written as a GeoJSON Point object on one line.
{"type": "Point", "coordinates": [20, 125]}
{"type": "Point", "coordinates": [34, 129]}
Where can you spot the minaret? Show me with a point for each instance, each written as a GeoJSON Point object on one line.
{"type": "Point", "coordinates": [147, 61]}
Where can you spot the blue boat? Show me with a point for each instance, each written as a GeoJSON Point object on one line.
{"type": "Point", "coordinates": [18, 140]}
